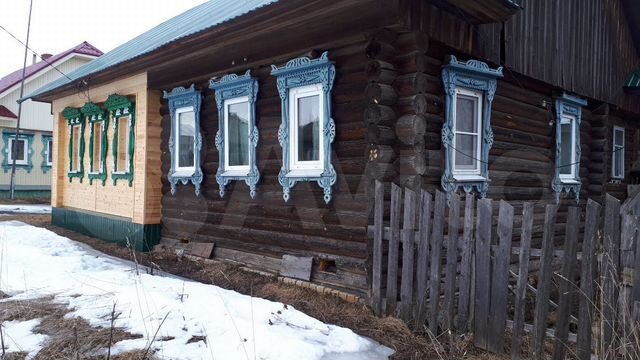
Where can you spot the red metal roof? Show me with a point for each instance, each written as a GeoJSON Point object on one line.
{"type": "Point", "coordinates": [12, 79]}
{"type": "Point", "coordinates": [4, 112]}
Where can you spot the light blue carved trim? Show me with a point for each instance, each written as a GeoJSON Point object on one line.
{"type": "Point", "coordinates": [229, 87]}
{"type": "Point", "coordinates": [301, 72]}
{"type": "Point", "coordinates": [569, 105]}
{"type": "Point", "coordinates": [475, 75]}
{"type": "Point", "coordinates": [179, 98]}
{"type": "Point", "coordinates": [6, 164]}
{"type": "Point", "coordinates": [46, 139]}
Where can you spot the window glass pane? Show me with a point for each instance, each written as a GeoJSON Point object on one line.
{"type": "Point", "coordinates": [618, 158]}
{"type": "Point", "coordinates": [50, 151]}
{"type": "Point", "coordinates": [309, 128]}
{"type": "Point", "coordinates": [238, 134]}
{"type": "Point", "coordinates": [76, 148]}
{"type": "Point", "coordinates": [466, 154]}
{"type": "Point", "coordinates": [97, 147]}
{"type": "Point", "coordinates": [186, 140]}
{"type": "Point", "coordinates": [566, 149]}
{"type": "Point", "coordinates": [619, 137]}
{"type": "Point", "coordinates": [466, 114]}
{"type": "Point", "coordinates": [20, 144]}
{"type": "Point", "coordinates": [123, 144]}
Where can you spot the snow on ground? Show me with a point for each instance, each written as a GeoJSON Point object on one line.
{"type": "Point", "coordinates": [19, 337]}
{"type": "Point", "coordinates": [24, 209]}
{"type": "Point", "coordinates": [35, 262]}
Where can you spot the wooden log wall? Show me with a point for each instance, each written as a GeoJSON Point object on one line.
{"type": "Point", "coordinates": [259, 231]}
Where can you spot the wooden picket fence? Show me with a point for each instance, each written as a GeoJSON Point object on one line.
{"type": "Point", "coordinates": [483, 285]}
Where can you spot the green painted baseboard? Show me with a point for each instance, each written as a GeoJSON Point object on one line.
{"type": "Point", "coordinates": [109, 228]}
{"type": "Point", "coordinates": [26, 194]}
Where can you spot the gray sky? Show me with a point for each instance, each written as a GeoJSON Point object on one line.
{"type": "Point", "coordinates": [57, 25]}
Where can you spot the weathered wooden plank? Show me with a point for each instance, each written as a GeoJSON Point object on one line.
{"type": "Point", "coordinates": [523, 276]}
{"type": "Point", "coordinates": [378, 221]}
{"type": "Point", "coordinates": [199, 249]}
{"type": "Point", "coordinates": [394, 248]}
{"type": "Point", "coordinates": [408, 245]}
{"type": "Point", "coordinates": [610, 267]}
{"type": "Point", "coordinates": [436, 248]}
{"type": "Point", "coordinates": [635, 295]}
{"type": "Point", "coordinates": [500, 279]}
{"type": "Point", "coordinates": [567, 284]}
{"type": "Point", "coordinates": [452, 262]}
{"type": "Point", "coordinates": [482, 273]}
{"type": "Point", "coordinates": [296, 267]}
{"type": "Point", "coordinates": [423, 258]}
{"type": "Point", "coordinates": [544, 282]}
{"type": "Point", "coordinates": [465, 264]}
{"type": "Point", "coordinates": [585, 313]}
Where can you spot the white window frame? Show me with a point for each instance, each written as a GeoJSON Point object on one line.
{"type": "Point", "coordinates": [25, 161]}
{"type": "Point", "coordinates": [49, 152]}
{"type": "Point", "coordinates": [617, 150]}
{"type": "Point", "coordinates": [71, 127]}
{"type": "Point", "coordinates": [468, 174]}
{"type": "Point", "coordinates": [569, 178]}
{"type": "Point", "coordinates": [305, 168]}
{"type": "Point", "coordinates": [99, 134]}
{"type": "Point", "coordinates": [126, 149]}
{"type": "Point", "coordinates": [236, 170]}
{"type": "Point", "coordinates": [184, 170]}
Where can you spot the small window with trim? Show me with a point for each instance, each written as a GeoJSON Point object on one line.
{"type": "Point", "coordinates": [22, 145]}
{"type": "Point", "coordinates": [47, 153]}
{"type": "Point", "coordinates": [98, 124]}
{"type": "Point", "coordinates": [76, 123]}
{"type": "Point", "coordinates": [617, 155]}
{"type": "Point", "coordinates": [20, 150]}
{"type": "Point", "coordinates": [122, 113]}
{"type": "Point", "coordinates": [569, 161]}
{"type": "Point", "coordinates": [467, 139]}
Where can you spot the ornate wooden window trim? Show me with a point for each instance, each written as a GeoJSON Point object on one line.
{"type": "Point", "coordinates": [296, 73]}
{"type": "Point", "coordinates": [571, 106]}
{"type": "Point", "coordinates": [75, 118]}
{"type": "Point", "coordinates": [95, 114]}
{"type": "Point", "coordinates": [46, 139]}
{"type": "Point", "coordinates": [229, 87]}
{"type": "Point", "coordinates": [475, 75]}
{"type": "Point", "coordinates": [6, 150]}
{"type": "Point", "coordinates": [617, 150]}
{"type": "Point", "coordinates": [180, 98]}
{"type": "Point", "coordinates": [119, 107]}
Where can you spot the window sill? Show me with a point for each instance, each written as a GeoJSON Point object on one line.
{"type": "Point", "coordinates": [569, 181]}
{"type": "Point", "coordinates": [463, 178]}
{"type": "Point", "coordinates": [183, 173]}
{"type": "Point", "coordinates": [300, 173]}
{"type": "Point", "coordinates": [236, 173]}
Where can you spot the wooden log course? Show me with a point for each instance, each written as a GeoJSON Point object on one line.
{"type": "Point", "coordinates": [377, 49]}
{"type": "Point", "coordinates": [412, 41]}
{"type": "Point", "coordinates": [381, 153]}
{"type": "Point", "coordinates": [380, 72]}
{"type": "Point", "coordinates": [409, 181]}
{"type": "Point", "coordinates": [412, 83]}
{"type": "Point", "coordinates": [380, 94]}
{"type": "Point", "coordinates": [382, 135]}
{"type": "Point", "coordinates": [410, 126]}
{"type": "Point", "coordinates": [378, 114]}
{"type": "Point", "coordinates": [414, 104]}
{"type": "Point", "coordinates": [380, 171]}
{"type": "Point", "coordinates": [412, 165]}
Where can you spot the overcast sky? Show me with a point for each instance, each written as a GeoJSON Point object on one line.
{"type": "Point", "coordinates": [57, 25]}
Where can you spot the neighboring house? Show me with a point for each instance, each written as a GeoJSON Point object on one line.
{"type": "Point", "coordinates": [261, 125]}
{"type": "Point", "coordinates": [34, 156]}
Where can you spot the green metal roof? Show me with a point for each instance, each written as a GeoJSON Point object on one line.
{"type": "Point", "coordinates": [193, 21]}
{"type": "Point", "coordinates": [633, 81]}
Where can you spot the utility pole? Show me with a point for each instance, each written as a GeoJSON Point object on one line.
{"type": "Point", "coordinates": [14, 148]}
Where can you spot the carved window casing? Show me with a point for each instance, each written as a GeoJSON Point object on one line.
{"type": "Point", "coordinates": [185, 142]}
{"type": "Point", "coordinates": [466, 134]}
{"type": "Point", "coordinates": [98, 125]}
{"type": "Point", "coordinates": [123, 113]}
{"type": "Point", "coordinates": [237, 136]}
{"type": "Point", "coordinates": [24, 151]}
{"type": "Point", "coordinates": [76, 122]}
{"type": "Point", "coordinates": [568, 149]}
{"type": "Point", "coordinates": [617, 153]}
{"type": "Point", "coordinates": [47, 153]}
{"type": "Point", "coordinates": [307, 129]}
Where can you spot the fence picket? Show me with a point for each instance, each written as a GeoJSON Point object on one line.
{"type": "Point", "coordinates": [452, 262]}
{"type": "Point", "coordinates": [567, 284]}
{"type": "Point", "coordinates": [544, 282]}
{"type": "Point", "coordinates": [465, 264]}
{"type": "Point", "coordinates": [408, 234]}
{"type": "Point", "coordinates": [585, 313]}
{"type": "Point", "coordinates": [500, 279]}
{"type": "Point", "coordinates": [436, 248]}
{"type": "Point", "coordinates": [376, 282]}
{"type": "Point", "coordinates": [523, 275]}
{"type": "Point", "coordinates": [610, 267]}
{"type": "Point", "coordinates": [423, 258]}
{"type": "Point", "coordinates": [482, 272]}
{"type": "Point", "coordinates": [394, 248]}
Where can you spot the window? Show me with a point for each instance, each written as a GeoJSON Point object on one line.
{"type": "Point", "coordinates": [185, 141]}
{"type": "Point", "coordinates": [98, 122]}
{"type": "Point", "coordinates": [467, 140]}
{"type": "Point", "coordinates": [47, 153]}
{"type": "Point", "coordinates": [20, 150]}
{"type": "Point", "coordinates": [76, 121]}
{"type": "Point", "coordinates": [96, 159]}
{"type": "Point", "coordinates": [466, 134]}
{"type": "Point", "coordinates": [122, 113]}
{"type": "Point", "coordinates": [568, 117]}
{"type": "Point", "coordinates": [307, 129]}
{"type": "Point", "coordinates": [23, 151]}
{"type": "Point", "coordinates": [617, 156]}
{"type": "Point", "coordinates": [237, 135]}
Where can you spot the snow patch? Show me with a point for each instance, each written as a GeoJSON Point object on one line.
{"type": "Point", "coordinates": [19, 337]}
{"type": "Point", "coordinates": [24, 209]}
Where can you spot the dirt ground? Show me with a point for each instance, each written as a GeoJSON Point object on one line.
{"type": "Point", "coordinates": [389, 331]}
